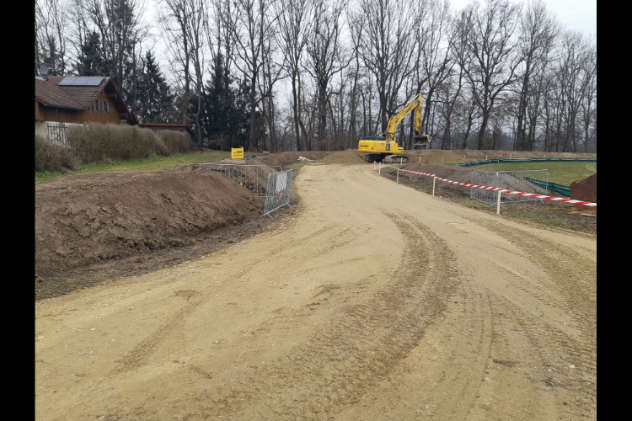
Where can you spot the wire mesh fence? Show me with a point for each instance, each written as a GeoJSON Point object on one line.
{"type": "Point", "coordinates": [252, 177]}
{"type": "Point", "coordinates": [511, 180]}
{"type": "Point", "coordinates": [270, 182]}
{"type": "Point", "coordinates": [278, 191]}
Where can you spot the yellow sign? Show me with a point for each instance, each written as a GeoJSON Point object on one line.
{"type": "Point", "coordinates": [237, 153]}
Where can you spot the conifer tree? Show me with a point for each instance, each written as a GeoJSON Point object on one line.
{"type": "Point", "coordinates": [155, 101]}
{"type": "Point", "coordinates": [224, 116]}
{"type": "Point", "coordinates": [90, 61]}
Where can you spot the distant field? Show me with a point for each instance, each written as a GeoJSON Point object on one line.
{"type": "Point", "coordinates": [148, 164]}
{"type": "Point", "coordinates": [560, 172]}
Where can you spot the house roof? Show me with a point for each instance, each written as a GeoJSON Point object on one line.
{"type": "Point", "coordinates": [78, 93]}
{"type": "Point", "coordinates": [49, 94]}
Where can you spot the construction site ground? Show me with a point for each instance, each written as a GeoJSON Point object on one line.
{"type": "Point", "coordinates": [366, 300]}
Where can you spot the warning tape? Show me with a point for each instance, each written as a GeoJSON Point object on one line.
{"type": "Point", "coordinates": [493, 188]}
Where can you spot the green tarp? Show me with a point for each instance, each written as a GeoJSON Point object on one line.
{"type": "Point", "coordinates": [560, 189]}
{"type": "Point", "coordinates": [496, 161]}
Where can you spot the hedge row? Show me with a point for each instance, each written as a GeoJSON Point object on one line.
{"type": "Point", "coordinates": [108, 142]}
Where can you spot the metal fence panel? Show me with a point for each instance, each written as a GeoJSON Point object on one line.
{"type": "Point", "coordinates": [270, 182]}
{"type": "Point", "coordinates": [278, 191]}
{"type": "Point", "coordinates": [511, 180]}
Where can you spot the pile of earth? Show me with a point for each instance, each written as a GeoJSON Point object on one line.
{"type": "Point", "coordinates": [87, 219]}
{"type": "Point", "coordinates": [585, 190]}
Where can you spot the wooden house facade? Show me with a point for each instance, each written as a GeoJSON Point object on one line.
{"type": "Point", "coordinates": [61, 102]}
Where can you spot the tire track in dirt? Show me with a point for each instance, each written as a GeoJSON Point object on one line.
{"type": "Point", "coordinates": [148, 346]}
{"type": "Point", "coordinates": [350, 353]}
{"type": "Point", "coordinates": [569, 361]}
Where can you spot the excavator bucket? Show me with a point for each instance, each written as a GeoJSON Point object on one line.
{"type": "Point", "coordinates": [421, 141]}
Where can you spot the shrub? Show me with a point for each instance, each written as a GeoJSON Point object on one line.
{"type": "Point", "coordinates": [51, 157]}
{"type": "Point", "coordinates": [175, 141]}
{"type": "Point", "coordinates": [107, 142]}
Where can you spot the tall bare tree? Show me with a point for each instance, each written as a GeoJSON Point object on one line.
{"type": "Point", "coordinates": [386, 49]}
{"type": "Point", "coordinates": [250, 26]}
{"type": "Point", "coordinates": [537, 34]}
{"type": "Point", "coordinates": [51, 19]}
{"type": "Point", "coordinates": [294, 26]}
{"type": "Point", "coordinates": [183, 23]}
{"type": "Point", "coordinates": [493, 63]}
{"type": "Point", "coordinates": [325, 54]}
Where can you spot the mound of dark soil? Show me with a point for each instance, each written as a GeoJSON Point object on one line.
{"type": "Point", "coordinates": [88, 219]}
{"type": "Point", "coordinates": [585, 190]}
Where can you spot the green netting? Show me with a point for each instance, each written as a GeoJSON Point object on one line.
{"type": "Point", "coordinates": [496, 161]}
{"type": "Point", "coordinates": [554, 187]}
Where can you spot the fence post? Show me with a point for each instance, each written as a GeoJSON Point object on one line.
{"type": "Point", "coordinates": [434, 180]}
{"type": "Point", "coordinates": [379, 168]}
{"type": "Point", "coordinates": [398, 176]}
{"type": "Point", "coordinates": [500, 192]}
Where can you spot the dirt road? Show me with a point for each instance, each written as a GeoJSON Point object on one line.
{"type": "Point", "coordinates": [378, 302]}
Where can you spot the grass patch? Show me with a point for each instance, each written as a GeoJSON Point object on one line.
{"type": "Point", "coordinates": [559, 172]}
{"type": "Point", "coordinates": [154, 163]}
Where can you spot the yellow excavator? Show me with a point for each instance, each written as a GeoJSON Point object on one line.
{"type": "Point", "coordinates": [376, 148]}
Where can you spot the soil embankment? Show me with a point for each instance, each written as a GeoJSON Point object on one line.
{"type": "Point", "coordinates": [89, 219]}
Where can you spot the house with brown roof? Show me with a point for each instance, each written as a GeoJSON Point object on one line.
{"type": "Point", "coordinates": [63, 101]}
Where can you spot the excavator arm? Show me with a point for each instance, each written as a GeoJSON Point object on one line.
{"type": "Point", "coordinates": [414, 105]}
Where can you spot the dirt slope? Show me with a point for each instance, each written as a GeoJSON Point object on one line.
{"type": "Point", "coordinates": [88, 219]}
{"type": "Point", "coordinates": [377, 302]}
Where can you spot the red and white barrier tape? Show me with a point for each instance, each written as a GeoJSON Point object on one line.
{"type": "Point", "coordinates": [492, 188]}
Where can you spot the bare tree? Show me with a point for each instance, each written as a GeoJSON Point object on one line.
{"type": "Point", "coordinates": [537, 34]}
{"type": "Point", "coordinates": [589, 90]}
{"type": "Point", "coordinates": [490, 47]}
{"type": "Point", "coordinates": [325, 55]}
{"type": "Point", "coordinates": [51, 19]}
{"type": "Point", "coordinates": [386, 49]}
{"type": "Point", "coordinates": [435, 60]}
{"type": "Point", "coordinates": [183, 23]}
{"type": "Point", "coordinates": [250, 26]}
{"type": "Point", "coordinates": [294, 27]}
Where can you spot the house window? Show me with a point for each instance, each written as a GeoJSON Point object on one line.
{"type": "Point", "coordinates": [107, 107]}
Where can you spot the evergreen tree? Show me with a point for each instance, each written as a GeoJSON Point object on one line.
{"type": "Point", "coordinates": [155, 101]}
{"type": "Point", "coordinates": [224, 116]}
{"type": "Point", "coordinates": [90, 61]}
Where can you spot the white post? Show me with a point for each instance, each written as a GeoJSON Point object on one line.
{"type": "Point", "coordinates": [500, 192]}
{"type": "Point", "coordinates": [401, 161]}
{"type": "Point", "coordinates": [379, 168]}
{"type": "Point", "coordinates": [398, 176]}
{"type": "Point", "coordinates": [434, 180]}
